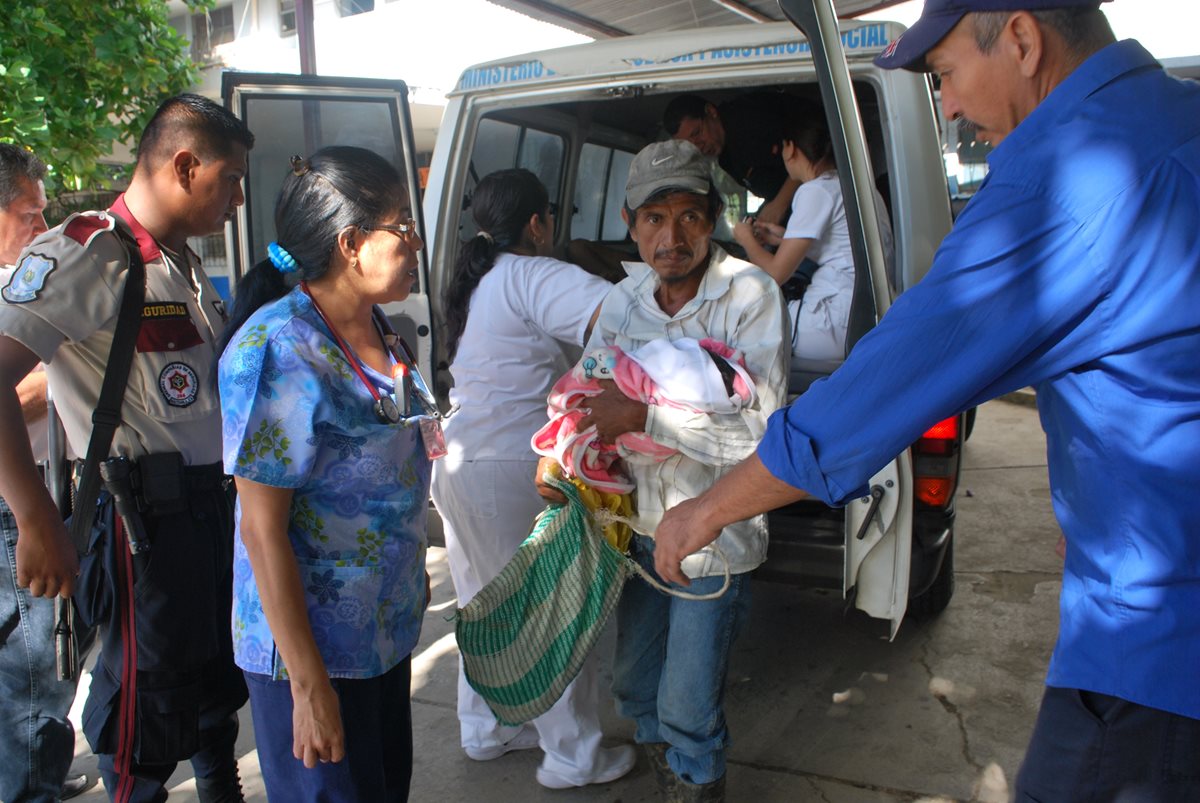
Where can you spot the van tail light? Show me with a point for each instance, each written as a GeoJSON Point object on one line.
{"type": "Point", "coordinates": [935, 463]}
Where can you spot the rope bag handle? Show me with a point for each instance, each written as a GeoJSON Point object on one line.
{"type": "Point", "coordinates": [603, 517]}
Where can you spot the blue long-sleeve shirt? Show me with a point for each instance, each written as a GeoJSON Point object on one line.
{"type": "Point", "coordinates": [1075, 269]}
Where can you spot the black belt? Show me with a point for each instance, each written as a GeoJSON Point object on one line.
{"type": "Point", "coordinates": [204, 478]}
{"type": "Point", "coordinates": [156, 474]}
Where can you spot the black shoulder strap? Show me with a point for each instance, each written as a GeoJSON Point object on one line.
{"type": "Point", "coordinates": [107, 416]}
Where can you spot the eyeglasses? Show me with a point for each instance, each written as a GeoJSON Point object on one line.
{"type": "Point", "coordinates": [405, 229]}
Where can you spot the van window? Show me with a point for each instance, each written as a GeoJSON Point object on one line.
{"type": "Point", "coordinates": [542, 154]}
{"type": "Point", "coordinates": [495, 147]}
{"type": "Point", "coordinates": [599, 192]}
{"type": "Point", "coordinates": [284, 127]}
{"type": "Point", "coordinates": [502, 146]}
{"type": "Point", "coordinates": [618, 174]}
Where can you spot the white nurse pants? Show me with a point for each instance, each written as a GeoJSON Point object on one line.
{"type": "Point", "coordinates": [487, 509]}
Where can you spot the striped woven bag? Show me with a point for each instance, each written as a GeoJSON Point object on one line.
{"type": "Point", "coordinates": [526, 634]}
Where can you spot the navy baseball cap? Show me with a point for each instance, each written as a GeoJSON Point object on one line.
{"type": "Point", "coordinates": [940, 16]}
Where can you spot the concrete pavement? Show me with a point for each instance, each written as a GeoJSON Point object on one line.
{"type": "Point", "coordinates": [820, 708]}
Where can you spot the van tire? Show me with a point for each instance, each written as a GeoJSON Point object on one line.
{"type": "Point", "coordinates": [935, 598]}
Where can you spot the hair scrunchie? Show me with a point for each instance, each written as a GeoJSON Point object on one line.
{"type": "Point", "coordinates": [281, 259]}
{"type": "Point", "coordinates": [485, 235]}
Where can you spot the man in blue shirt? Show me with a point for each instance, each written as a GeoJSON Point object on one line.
{"type": "Point", "coordinates": [1075, 269]}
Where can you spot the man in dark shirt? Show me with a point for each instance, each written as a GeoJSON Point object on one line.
{"type": "Point", "coordinates": [745, 134]}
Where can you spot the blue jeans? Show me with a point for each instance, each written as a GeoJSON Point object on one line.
{"type": "Point", "coordinates": [671, 661]}
{"type": "Point", "coordinates": [377, 727]}
{"type": "Point", "coordinates": [1094, 748]}
{"type": "Point", "coordinates": [39, 742]}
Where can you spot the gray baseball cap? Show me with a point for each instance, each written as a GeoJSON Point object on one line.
{"type": "Point", "coordinates": [674, 164]}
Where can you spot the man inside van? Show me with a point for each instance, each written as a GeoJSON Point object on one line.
{"type": "Point", "coordinates": [1074, 269]}
{"type": "Point", "coordinates": [744, 134]}
{"type": "Point", "coordinates": [673, 653]}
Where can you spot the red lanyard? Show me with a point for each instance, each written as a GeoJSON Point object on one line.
{"type": "Point", "coordinates": [350, 356]}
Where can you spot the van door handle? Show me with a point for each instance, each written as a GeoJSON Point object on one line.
{"type": "Point", "coordinates": [872, 511]}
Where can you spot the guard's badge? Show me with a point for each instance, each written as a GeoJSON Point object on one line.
{"type": "Point", "coordinates": [178, 384]}
{"type": "Point", "coordinates": [28, 278]}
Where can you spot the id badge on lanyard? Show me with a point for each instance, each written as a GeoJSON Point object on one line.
{"type": "Point", "coordinates": [432, 436]}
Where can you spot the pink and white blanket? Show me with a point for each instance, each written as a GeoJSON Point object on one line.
{"type": "Point", "coordinates": [682, 374]}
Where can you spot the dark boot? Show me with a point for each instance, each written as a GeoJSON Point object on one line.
{"type": "Point", "coordinates": [215, 766]}
{"type": "Point", "coordinates": [664, 777]}
{"type": "Point", "coordinates": [711, 792]}
{"type": "Point", "coordinates": [225, 789]}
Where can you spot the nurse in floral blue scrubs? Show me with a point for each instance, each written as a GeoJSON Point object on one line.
{"type": "Point", "coordinates": [332, 474]}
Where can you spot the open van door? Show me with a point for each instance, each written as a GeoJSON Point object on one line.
{"type": "Point", "coordinates": [879, 528]}
{"type": "Point", "coordinates": [297, 114]}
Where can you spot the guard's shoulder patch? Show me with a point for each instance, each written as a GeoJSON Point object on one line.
{"type": "Point", "coordinates": [28, 279]}
{"type": "Point", "coordinates": [83, 227]}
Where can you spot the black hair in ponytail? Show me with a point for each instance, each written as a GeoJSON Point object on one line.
{"type": "Point", "coordinates": [502, 205]}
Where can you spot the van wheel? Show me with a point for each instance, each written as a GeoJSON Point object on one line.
{"type": "Point", "coordinates": [969, 422]}
{"type": "Point", "coordinates": [935, 598]}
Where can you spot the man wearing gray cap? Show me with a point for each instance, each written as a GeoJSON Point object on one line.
{"type": "Point", "coordinates": [1074, 269]}
{"type": "Point", "coordinates": [672, 654]}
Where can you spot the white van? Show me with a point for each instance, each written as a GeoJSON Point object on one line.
{"type": "Point", "coordinates": [576, 116]}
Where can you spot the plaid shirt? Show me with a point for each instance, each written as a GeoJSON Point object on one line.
{"type": "Point", "coordinates": [739, 305]}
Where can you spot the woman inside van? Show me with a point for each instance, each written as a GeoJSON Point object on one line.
{"type": "Point", "coordinates": [816, 242]}
{"type": "Point", "coordinates": [329, 562]}
{"type": "Point", "coordinates": [510, 308]}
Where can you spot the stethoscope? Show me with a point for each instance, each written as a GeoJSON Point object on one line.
{"type": "Point", "coordinates": [406, 377]}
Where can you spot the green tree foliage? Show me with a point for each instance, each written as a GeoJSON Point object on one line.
{"type": "Point", "coordinates": [78, 75]}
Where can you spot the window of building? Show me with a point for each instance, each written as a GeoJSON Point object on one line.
{"type": "Point", "coordinates": [287, 17]}
{"type": "Point", "coordinates": [348, 8]}
{"type": "Point", "coordinates": [210, 29]}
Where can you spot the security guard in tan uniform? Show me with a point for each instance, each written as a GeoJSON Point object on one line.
{"type": "Point", "coordinates": [165, 687]}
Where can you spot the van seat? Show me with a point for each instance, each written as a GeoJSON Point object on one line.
{"type": "Point", "coordinates": [804, 372]}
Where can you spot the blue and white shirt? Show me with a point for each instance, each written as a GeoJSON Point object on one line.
{"type": "Point", "coordinates": [296, 416]}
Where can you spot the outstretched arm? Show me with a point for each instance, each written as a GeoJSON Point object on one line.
{"type": "Point", "coordinates": [747, 490]}
{"type": "Point", "coordinates": [781, 264]}
{"type": "Point", "coordinates": [773, 210]}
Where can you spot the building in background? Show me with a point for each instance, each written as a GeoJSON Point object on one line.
{"type": "Point", "coordinates": [424, 44]}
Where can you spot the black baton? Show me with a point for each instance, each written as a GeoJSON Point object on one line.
{"type": "Point", "coordinates": [64, 639]}
{"type": "Point", "coordinates": [58, 482]}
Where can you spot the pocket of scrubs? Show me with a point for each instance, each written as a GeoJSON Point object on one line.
{"type": "Point", "coordinates": [342, 605]}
